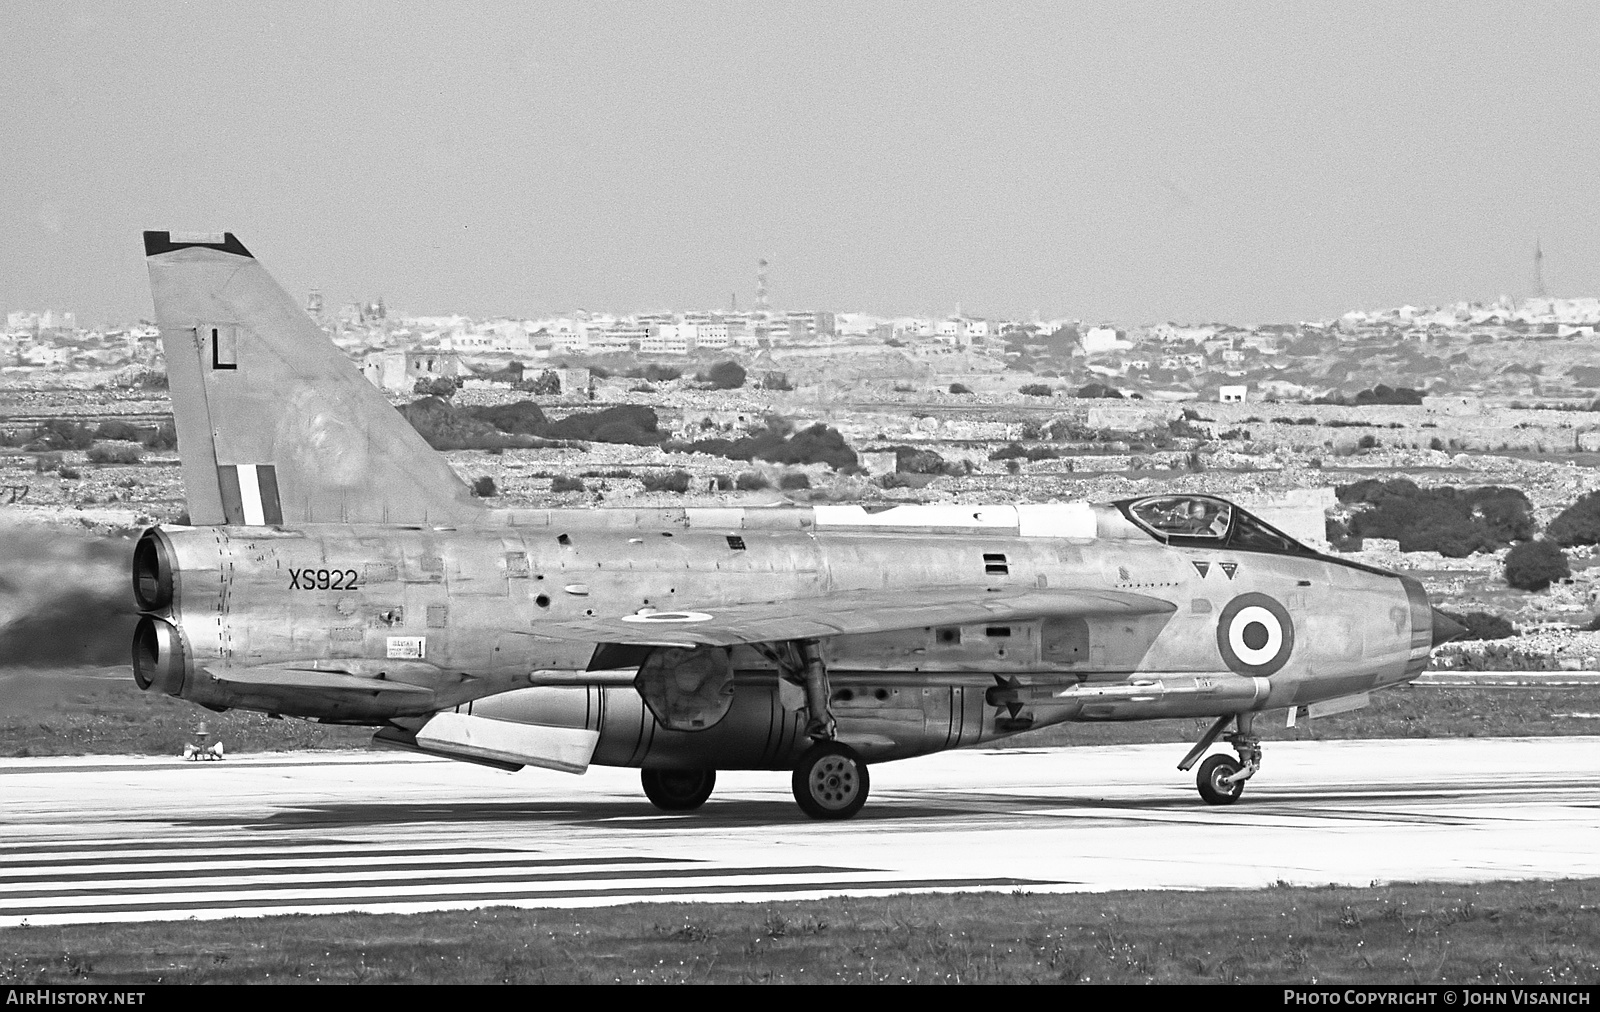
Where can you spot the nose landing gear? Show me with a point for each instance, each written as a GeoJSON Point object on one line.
{"type": "Point", "coordinates": [1221, 778]}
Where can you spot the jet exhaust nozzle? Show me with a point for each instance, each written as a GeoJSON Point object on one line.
{"type": "Point", "coordinates": [152, 572]}
{"type": "Point", "coordinates": [158, 656]}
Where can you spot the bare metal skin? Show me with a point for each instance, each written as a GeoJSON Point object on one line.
{"type": "Point", "coordinates": [339, 570]}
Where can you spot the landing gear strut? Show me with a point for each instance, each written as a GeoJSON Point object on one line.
{"type": "Point", "coordinates": [1221, 778]}
{"type": "Point", "coordinates": [803, 684]}
{"type": "Point", "coordinates": [819, 719]}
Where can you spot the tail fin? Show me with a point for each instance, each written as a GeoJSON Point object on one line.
{"type": "Point", "coordinates": [275, 424]}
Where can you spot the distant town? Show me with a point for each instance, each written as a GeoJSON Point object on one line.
{"type": "Point", "coordinates": [1461, 349]}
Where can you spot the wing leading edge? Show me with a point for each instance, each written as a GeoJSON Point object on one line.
{"type": "Point", "coordinates": [847, 613]}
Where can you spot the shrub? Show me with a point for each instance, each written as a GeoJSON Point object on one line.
{"type": "Point", "coordinates": [522, 418]}
{"type": "Point", "coordinates": [625, 423]}
{"type": "Point", "coordinates": [1453, 522]}
{"type": "Point", "coordinates": [1382, 394]}
{"type": "Point", "coordinates": [61, 434]}
{"type": "Point", "coordinates": [440, 386]}
{"type": "Point", "coordinates": [484, 488]}
{"type": "Point", "coordinates": [914, 460]}
{"type": "Point", "coordinates": [547, 383]}
{"type": "Point", "coordinates": [68, 472]}
{"type": "Point", "coordinates": [1481, 625]}
{"type": "Point", "coordinates": [1368, 441]}
{"type": "Point", "coordinates": [669, 481]}
{"type": "Point", "coordinates": [960, 388]}
{"type": "Point", "coordinates": [116, 453]}
{"type": "Point", "coordinates": [164, 437]}
{"type": "Point", "coordinates": [445, 428]}
{"type": "Point", "coordinates": [1034, 390]}
{"type": "Point", "coordinates": [117, 430]}
{"type": "Point", "coordinates": [567, 483]}
{"type": "Point", "coordinates": [1435, 443]}
{"type": "Point", "coordinates": [1534, 565]}
{"type": "Point", "coordinates": [776, 381]}
{"type": "Point", "coordinates": [722, 483]}
{"type": "Point", "coordinates": [751, 481]}
{"type": "Point", "coordinates": [725, 376]}
{"type": "Point", "coordinates": [794, 480]}
{"type": "Point", "coordinates": [1578, 524]}
{"type": "Point", "coordinates": [1098, 390]}
{"type": "Point", "coordinates": [48, 462]}
{"type": "Point", "coordinates": [1338, 535]}
{"type": "Point", "coordinates": [818, 444]}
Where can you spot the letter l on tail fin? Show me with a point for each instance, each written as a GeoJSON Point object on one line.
{"type": "Point", "coordinates": [275, 424]}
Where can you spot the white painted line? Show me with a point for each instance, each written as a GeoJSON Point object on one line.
{"type": "Point", "coordinates": [250, 496]}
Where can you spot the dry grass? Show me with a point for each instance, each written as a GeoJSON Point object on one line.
{"type": "Point", "coordinates": [1529, 932]}
{"type": "Point", "coordinates": [1406, 712]}
{"type": "Point", "coordinates": [101, 712]}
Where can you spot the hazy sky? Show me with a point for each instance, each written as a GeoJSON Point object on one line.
{"type": "Point", "coordinates": [1124, 162]}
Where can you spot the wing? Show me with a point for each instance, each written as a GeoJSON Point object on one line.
{"type": "Point", "coordinates": [847, 613]}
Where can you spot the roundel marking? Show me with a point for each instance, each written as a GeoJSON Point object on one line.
{"type": "Point", "coordinates": [654, 617]}
{"type": "Point", "coordinates": [1255, 635]}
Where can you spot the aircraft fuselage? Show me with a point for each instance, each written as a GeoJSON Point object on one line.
{"type": "Point", "coordinates": [431, 619]}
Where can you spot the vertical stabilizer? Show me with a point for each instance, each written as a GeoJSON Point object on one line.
{"type": "Point", "coordinates": [275, 424]}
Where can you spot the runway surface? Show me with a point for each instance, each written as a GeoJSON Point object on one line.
{"type": "Point", "coordinates": [102, 839]}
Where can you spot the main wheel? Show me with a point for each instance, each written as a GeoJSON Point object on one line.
{"type": "Point", "coordinates": [1212, 780]}
{"type": "Point", "coordinates": [831, 781]}
{"type": "Point", "coordinates": [678, 790]}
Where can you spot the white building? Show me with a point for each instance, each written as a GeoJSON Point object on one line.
{"type": "Point", "coordinates": [1098, 339]}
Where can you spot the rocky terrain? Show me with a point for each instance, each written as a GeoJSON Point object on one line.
{"type": "Point", "coordinates": [1256, 454]}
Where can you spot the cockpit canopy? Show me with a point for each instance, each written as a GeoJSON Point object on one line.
{"type": "Point", "coordinates": [1203, 521]}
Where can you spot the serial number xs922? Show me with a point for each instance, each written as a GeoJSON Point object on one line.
{"type": "Point", "coordinates": [324, 579]}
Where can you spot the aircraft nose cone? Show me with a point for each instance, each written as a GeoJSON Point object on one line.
{"type": "Point", "coordinates": [1445, 628]}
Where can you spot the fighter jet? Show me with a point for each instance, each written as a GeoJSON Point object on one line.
{"type": "Point", "coordinates": [338, 569]}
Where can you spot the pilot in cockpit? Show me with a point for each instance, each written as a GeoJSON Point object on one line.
{"type": "Point", "coordinates": [1207, 519]}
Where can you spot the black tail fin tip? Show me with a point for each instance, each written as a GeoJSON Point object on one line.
{"type": "Point", "coordinates": [165, 242]}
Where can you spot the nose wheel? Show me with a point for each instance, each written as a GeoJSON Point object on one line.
{"type": "Point", "coordinates": [830, 781]}
{"type": "Point", "coordinates": [1218, 781]}
{"type": "Point", "coordinates": [1221, 778]}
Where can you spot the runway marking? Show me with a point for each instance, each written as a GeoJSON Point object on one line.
{"type": "Point", "coordinates": [248, 879]}
{"type": "Point", "coordinates": [59, 855]}
{"type": "Point", "coordinates": [179, 763]}
{"type": "Point", "coordinates": [387, 835]}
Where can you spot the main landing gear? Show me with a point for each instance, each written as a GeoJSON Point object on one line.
{"type": "Point", "coordinates": [831, 781]}
{"type": "Point", "coordinates": [1221, 778]}
{"type": "Point", "coordinates": [678, 790]}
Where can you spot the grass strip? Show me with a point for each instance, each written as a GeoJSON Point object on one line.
{"type": "Point", "coordinates": [1488, 933]}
